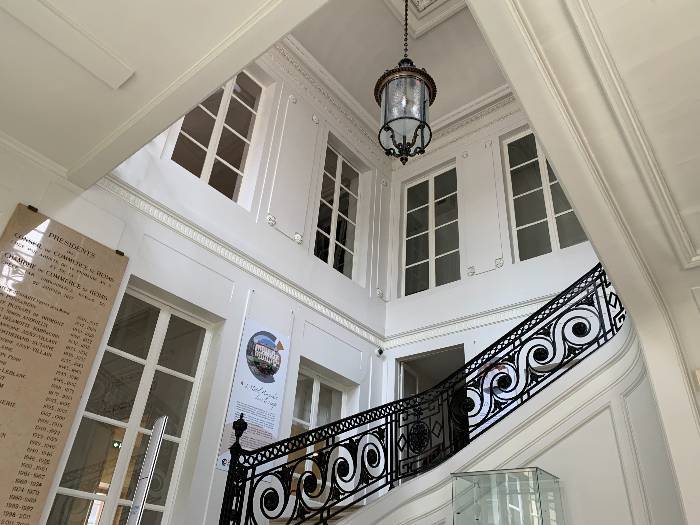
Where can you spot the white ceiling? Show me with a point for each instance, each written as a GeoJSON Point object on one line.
{"type": "Point", "coordinates": [53, 106]}
{"type": "Point", "coordinates": [357, 41]}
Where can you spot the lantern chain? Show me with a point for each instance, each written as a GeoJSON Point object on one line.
{"type": "Point", "coordinates": [405, 29]}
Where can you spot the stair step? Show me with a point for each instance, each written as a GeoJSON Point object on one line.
{"type": "Point", "coordinates": [335, 519]}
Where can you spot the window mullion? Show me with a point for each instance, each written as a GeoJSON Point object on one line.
{"type": "Point", "coordinates": [132, 429]}
{"type": "Point", "coordinates": [547, 194]}
{"type": "Point", "coordinates": [334, 214]}
{"type": "Point", "coordinates": [431, 232]}
{"type": "Point", "coordinates": [216, 132]}
{"type": "Point", "coordinates": [511, 206]}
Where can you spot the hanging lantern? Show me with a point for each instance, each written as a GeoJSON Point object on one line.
{"type": "Point", "coordinates": [404, 95]}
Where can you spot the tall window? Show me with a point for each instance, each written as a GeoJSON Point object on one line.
{"type": "Point", "coordinates": [540, 214]}
{"type": "Point", "coordinates": [215, 136]}
{"type": "Point", "coordinates": [154, 359]}
{"type": "Point", "coordinates": [431, 247]}
{"type": "Point", "coordinates": [337, 213]}
{"type": "Point", "coordinates": [317, 402]}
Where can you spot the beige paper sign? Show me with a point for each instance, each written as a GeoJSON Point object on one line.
{"type": "Point", "coordinates": [57, 288]}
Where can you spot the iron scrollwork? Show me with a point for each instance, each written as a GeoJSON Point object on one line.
{"type": "Point", "coordinates": [316, 475]}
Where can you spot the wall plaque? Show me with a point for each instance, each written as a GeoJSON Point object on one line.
{"type": "Point", "coordinates": [57, 288]}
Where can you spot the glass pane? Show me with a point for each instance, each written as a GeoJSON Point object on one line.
{"type": "Point", "coordinates": [342, 261]}
{"type": "Point", "coordinates": [134, 326]}
{"type": "Point", "coordinates": [182, 346]}
{"type": "Point", "coordinates": [350, 178]}
{"type": "Point", "coordinates": [188, 155]}
{"type": "Point", "coordinates": [322, 246]}
{"type": "Point", "coordinates": [525, 178]}
{"type": "Point", "coordinates": [347, 204]}
{"type": "Point", "coordinates": [327, 189]}
{"type": "Point", "coordinates": [115, 387]}
{"type": "Point", "coordinates": [561, 203]}
{"type": "Point", "coordinates": [446, 238]}
{"type": "Point", "coordinates": [417, 221]}
{"type": "Point", "coordinates": [224, 180]}
{"type": "Point", "coordinates": [331, 163]}
{"type": "Point", "coordinates": [329, 405]}
{"type": "Point", "coordinates": [92, 459]}
{"type": "Point", "coordinates": [198, 124]}
{"type": "Point", "coordinates": [417, 278]}
{"type": "Point", "coordinates": [345, 233]}
{"type": "Point", "coordinates": [213, 102]}
{"type": "Point", "coordinates": [169, 396]}
{"type": "Point", "coordinates": [325, 214]}
{"type": "Point", "coordinates": [149, 517]}
{"type": "Point", "coordinates": [550, 171]}
{"type": "Point", "coordinates": [417, 195]}
{"type": "Point", "coordinates": [416, 249]}
{"type": "Point", "coordinates": [447, 269]}
{"type": "Point", "coordinates": [67, 510]}
{"type": "Point", "coordinates": [446, 210]}
{"type": "Point", "coordinates": [240, 118]}
{"type": "Point", "coordinates": [232, 149]}
{"type": "Point", "coordinates": [529, 208]}
{"type": "Point", "coordinates": [158, 491]}
{"type": "Point", "coordinates": [302, 399]}
{"type": "Point", "coordinates": [247, 90]}
{"type": "Point", "coordinates": [522, 150]}
{"type": "Point", "coordinates": [533, 241]}
{"type": "Point", "coordinates": [570, 231]}
{"type": "Point", "coordinates": [446, 183]}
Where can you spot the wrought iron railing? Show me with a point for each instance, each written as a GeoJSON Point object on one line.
{"type": "Point", "coordinates": [314, 476]}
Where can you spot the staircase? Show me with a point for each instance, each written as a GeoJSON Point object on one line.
{"type": "Point", "coordinates": [323, 474]}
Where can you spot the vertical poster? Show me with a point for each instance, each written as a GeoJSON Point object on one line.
{"type": "Point", "coordinates": [57, 288]}
{"type": "Point", "coordinates": [257, 390]}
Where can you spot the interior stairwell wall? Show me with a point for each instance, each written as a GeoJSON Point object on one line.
{"type": "Point", "coordinates": [597, 429]}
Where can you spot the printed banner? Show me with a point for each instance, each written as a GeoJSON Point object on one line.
{"type": "Point", "coordinates": [258, 389]}
{"type": "Point", "coordinates": [57, 288]}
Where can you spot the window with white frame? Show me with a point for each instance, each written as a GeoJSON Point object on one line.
{"type": "Point", "coordinates": [215, 137]}
{"type": "Point", "coordinates": [337, 213]}
{"type": "Point", "coordinates": [318, 401]}
{"type": "Point", "coordinates": [540, 214]}
{"type": "Point", "coordinates": [151, 367]}
{"type": "Point", "coordinates": [431, 233]}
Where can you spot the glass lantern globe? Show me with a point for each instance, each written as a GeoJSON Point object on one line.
{"type": "Point", "coordinates": [405, 94]}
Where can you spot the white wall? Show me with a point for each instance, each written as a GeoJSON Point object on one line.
{"type": "Point", "coordinates": [598, 430]}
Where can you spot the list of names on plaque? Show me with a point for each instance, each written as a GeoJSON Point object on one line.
{"type": "Point", "coordinates": [57, 288]}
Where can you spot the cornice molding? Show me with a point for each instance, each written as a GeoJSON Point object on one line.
{"type": "Point", "coordinates": [507, 106]}
{"type": "Point", "coordinates": [198, 236]}
{"type": "Point", "coordinates": [337, 106]}
{"type": "Point", "coordinates": [228, 252]}
{"type": "Point", "coordinates": [514, 311]}
{"type": "Point", "coordinates": [424, 15]}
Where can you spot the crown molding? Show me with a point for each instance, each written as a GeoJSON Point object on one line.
{"type": "Point", "coordinates": [424, 15]}
{"type": "Point", "coordinates": [31, 154]}
{"type": "Point", "coordinates": [456, 117]}
{"type": "Point", "coordinates": [335, 106]}
{"type": "Point", "coordinates": [314, 66]}
{"type": "Point", "coordinates": [496, 109]}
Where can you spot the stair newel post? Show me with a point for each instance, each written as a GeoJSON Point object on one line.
{"type": "Point", "coordinates": [234, 493]}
